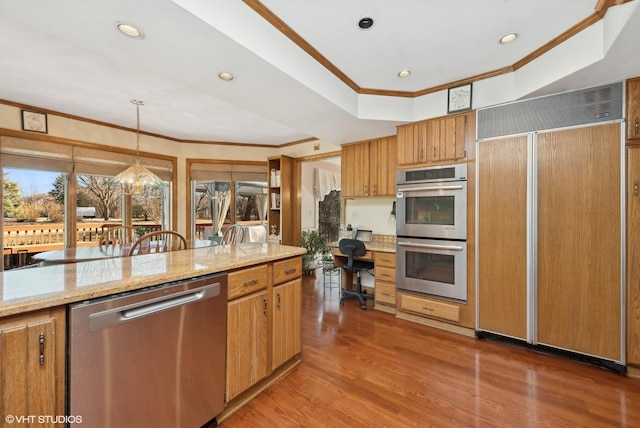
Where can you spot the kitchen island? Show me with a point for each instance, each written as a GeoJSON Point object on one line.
{"type": "Point", "coordinates": [33, 316]}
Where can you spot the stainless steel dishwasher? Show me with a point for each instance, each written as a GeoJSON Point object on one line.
{"type": "Point", "coordinates": [150, 358]}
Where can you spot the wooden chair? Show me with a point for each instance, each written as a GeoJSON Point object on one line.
{"type": "Point", "coordinates": [159, 241]}
{"type": "Point", "coordinates": [233, 235]}
{"type": "Point", "coordinates": [117, 235]}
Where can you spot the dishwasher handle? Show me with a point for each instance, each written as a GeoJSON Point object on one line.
{"type": "Point", "coordinates": [125, 313]}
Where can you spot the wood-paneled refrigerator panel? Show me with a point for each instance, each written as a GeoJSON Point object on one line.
{"type": "Point", "coordinates": [502, 233]}
{"type": "Point", "coordinates": [633, 256]}
{"type": "Point", "coordinates": [578, 240]}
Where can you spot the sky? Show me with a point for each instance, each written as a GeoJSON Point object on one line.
{"type": "Point", "coordinates": [32, 182]}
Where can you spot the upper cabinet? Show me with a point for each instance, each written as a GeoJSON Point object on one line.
{"type": "Point", "coordinates": [369, 168]}
{"type": "Point", "coordinates": [633, 110]}
{"type": "Point", "coordinates": [436, 141]}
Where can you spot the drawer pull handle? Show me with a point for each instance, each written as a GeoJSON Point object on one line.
{"type": "Point", "coordinates": [250, 282]}
{"type": "Point", "coordinates": [427, 308]}
{"type": "Point", "coordinates": [41, 341]}
{"type": "Point", "coordinates": [289, 271]}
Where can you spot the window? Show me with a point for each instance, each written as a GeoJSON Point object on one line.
{"type": "Point", "coordinates": [230, 189]}
{"type": "Point", "coordinates": [36, 179]}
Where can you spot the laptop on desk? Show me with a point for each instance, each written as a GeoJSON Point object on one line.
{"type": "Point", "coordinates": [364, 235]}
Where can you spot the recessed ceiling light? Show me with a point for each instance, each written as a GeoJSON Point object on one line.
{"type": "Point", "coordinates": [365, 23]}
{"type": "Point", "coordinates": [508, 38]}
{"type": "Point", "coordinates": [225, 76]}
{"type": "Point", "coordinates": [404, 73]}
{"type": "Point", "coordinates": [129, 30]}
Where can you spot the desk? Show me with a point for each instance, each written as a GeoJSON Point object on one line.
{"type": "Point", "coordinates": [85, 254]}
{"type": "Point", "coordinates": [383, 256]}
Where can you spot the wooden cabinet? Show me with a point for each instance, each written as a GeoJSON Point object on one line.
{"type": "Point", "coordinates": [369, 168]}
{"type": "Point", "coordinates": [578, 240]}
{"type": "Point", "coordinates": [247, 330]}
{"type": "Point", "coordinates": [436, 141]}
{"type": "Point", "coordinates": [432, 308]}
{"type": "Point", "coordinates": [633, 110]}
{"type": "Point", "coordinates": [280, 170]}
{"type": "Point", "coordinates": [264, 322]}
{"type": "Point", "coordinates": [385, 274]}
{"type": "Point", "coordinates": [382, 167]}
{"type": "Point", "coordinates": [502, 220]}
{"type": "Point", "coordinates": [287, 311]}
{"type": "Point", "coordinates": [574, 288]}
{"type": "Point", "coordinates": [32, 362]}
{"type": "Point", "coordinates": [287, 321]}
{"type": "Point", "coordinates": [633, 256]}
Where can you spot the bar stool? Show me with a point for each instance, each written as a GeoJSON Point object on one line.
{"type": "Point", "coordinates": [330, 271]}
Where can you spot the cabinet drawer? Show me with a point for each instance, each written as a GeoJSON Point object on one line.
{"type": "Point", "coordinates": [247, 281]}
{"type": "Point", "coordinates": [385, 259]}
{"type": "Point", "coordinates": [385, 274]}
{"type": "Point", "coordinates": [286, 270]}
{"type": "Point", "coordinates": [430, 307]}
{"type": "Point", "coordinates": [386, 293]}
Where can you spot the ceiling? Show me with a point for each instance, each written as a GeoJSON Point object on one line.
{"type": "Point", "coordinates": [303, 69]}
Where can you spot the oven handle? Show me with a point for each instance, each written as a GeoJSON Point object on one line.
{"type": "Point", "coordinates": [416, 189]}
{"type": "Point", "coordinates": [431, 246]}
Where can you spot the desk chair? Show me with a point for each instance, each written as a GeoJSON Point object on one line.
{"type": "Point", "coordinates": [354, 248]}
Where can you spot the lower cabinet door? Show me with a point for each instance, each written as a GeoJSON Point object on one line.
{"type": "Point", "coordinates": [247, 342]}
{"type": "Point", "coordinates": [287, 322]}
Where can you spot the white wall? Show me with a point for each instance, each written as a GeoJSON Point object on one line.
{"type": "Point", "coordinates": [371, 213]}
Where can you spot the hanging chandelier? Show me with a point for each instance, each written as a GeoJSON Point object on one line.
{"type": "Point", "coordinates": [137, 180]}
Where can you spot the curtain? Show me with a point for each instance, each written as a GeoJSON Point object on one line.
{"type": "Point", "coordinates": [219, 203]}
{"type": "Point", "coordinates": [325, 182]}
{"type": "Point", "coordinates": [262, 203]}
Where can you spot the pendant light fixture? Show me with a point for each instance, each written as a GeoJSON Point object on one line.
{"type": "Point", "coordinates": [136, 180]}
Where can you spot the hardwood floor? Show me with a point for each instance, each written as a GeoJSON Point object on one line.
{"type": "Point", "coordinates": [369, 369]}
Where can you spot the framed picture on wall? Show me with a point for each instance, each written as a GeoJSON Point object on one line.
{"type": "Point", "coordinates": [34, 121]}
{"type": "Point", "coordinates": [459, 98]}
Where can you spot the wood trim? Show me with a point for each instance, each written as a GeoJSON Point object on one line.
{"type": "Point", "coordinates": [77, 143]}
{"type": "Point", "coordinates": [281, 26]}
{"type": "Point", "coordinates": [601, 8]}
{"type": "Point", "coordinates": [83, 119]}
{"type": "Point", "coordinates": [322, 156]}
{"type": "Point", "coordinates": [110, 125]}
{"type": "Point", "coordinates": [107, 148]}
{"type": "Point", "coordinates": [580, 26]}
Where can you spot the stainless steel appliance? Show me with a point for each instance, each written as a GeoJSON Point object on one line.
{"type": "Point", "coordinates": [430, 266]}
{"type": "Point", "coordinates": [432, 202]}
{"type": "Point", "coordinates": [150, 358]}
{"type": "Point", "coordinates": [431, 227]}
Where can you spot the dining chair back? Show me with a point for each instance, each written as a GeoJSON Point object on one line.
{"type": "Point", "coordinates": [159, 241]}
{"type": "Point", "coordinates": [233, 235]}
{"type": "Point", "coordinates": [117, 235]}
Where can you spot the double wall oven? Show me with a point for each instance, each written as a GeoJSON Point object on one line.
{"type": "Point", "coordinates": [431, 226]}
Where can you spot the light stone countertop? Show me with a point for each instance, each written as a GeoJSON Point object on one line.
{"type": "Point", "coordinates": [379, 246]}
{"type": "Point", "coordinates": [24, 290]}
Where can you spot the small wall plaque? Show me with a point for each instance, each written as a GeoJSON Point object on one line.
{"type": "Point", "coordinates": [459, 98]}
{"type": "Point", "coordinates": [34, 121]}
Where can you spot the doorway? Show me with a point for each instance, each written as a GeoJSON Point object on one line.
{"type": "Point", "coordinates": [321, 197]}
